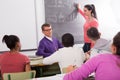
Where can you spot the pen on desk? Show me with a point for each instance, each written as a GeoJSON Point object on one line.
{"type": "Point", "coordinates": [74, 63]}
{"type": "Point", "coordinates": [74, 66]}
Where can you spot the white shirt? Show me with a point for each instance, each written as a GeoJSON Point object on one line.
{"type": "Point", "coordinates": [66, 56]}
{"type": "Point", "coordinates": [49, 38]}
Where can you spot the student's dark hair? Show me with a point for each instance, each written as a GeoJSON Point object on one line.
{"type": "Point", "coordinates": [92, 8]}
{"type": "Point", "coordinates": [93, 33]}
{"type": "Point", "coordinates": [68, 40]}
{"type": "Point", "coordinates": [116, 42]}
{"type": "Point", "coordinates": [10, 41]}
{"type": "Point", "coordinates": [44, 25]}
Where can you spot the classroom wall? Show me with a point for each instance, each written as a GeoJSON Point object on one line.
{"type": "Point", "coordinates": [40, 17]}
{"type": "Point", "coordinates": [108, 16]}
{"type": "Point", "coordinates": [24, 19]}
{"type": "Point", "coordinates": [107, 12]}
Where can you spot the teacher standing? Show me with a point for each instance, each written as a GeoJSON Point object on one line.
{"type": "Point", "coordinates": [90, 16]}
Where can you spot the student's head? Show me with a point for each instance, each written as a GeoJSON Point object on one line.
{"type": "Point", "coordinates": [47, 30]}
{"type": "Point", "coordinates": [116, 44]}
{"type": "Point", "coordinates": [93, 33]}
{"type": "Point", "coordinates": [68, 40]}
{"type": "Point", "coordinates": [12, 42]}
{"type": "Point", "coordinates": [89, 9]}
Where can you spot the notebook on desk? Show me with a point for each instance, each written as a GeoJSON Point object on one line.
{"type": "Point", "coordinates": [33, 57]}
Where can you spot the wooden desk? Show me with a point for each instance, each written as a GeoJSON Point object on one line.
{"type": "Point", "coordinates": [44, 70]}
{"type": "Point", "coordinates": [55, 77]}
{"type": "Point", "coordinates": [37, 62]}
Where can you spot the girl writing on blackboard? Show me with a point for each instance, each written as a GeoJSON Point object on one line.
{"type": "Point", "coordinates": [90, 16]}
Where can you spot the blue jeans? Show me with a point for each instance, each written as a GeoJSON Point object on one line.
{"type": "Point", "coordinates": [86, 47]}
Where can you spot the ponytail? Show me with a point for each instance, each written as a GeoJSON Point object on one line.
{"type": "Point", "coordinates": [94, 11]}
{"type": "Point", "coordinates": [92, 8]}
{"type": "Point", "coordinates": [5, 38]}
{"type": "Point", "coordinates": [10, 41]}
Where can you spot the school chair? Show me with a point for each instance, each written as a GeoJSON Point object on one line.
{"type": "Point", "coordinates": [19, 75]}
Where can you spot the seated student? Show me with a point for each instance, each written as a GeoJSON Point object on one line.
{"type": "Point", "coordinates": [68, 55]}
{"type": "Point", "coordinates": [105, 66]}
{"type": "Point", "coordinates": [13, 60]}
{"type": "Point", "coordinates": [101, 45]}
{"type": "Point", "coordinates": [49, 44]}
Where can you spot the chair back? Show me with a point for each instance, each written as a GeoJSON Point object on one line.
{"type": "Point", "coordinates": [19, 75]}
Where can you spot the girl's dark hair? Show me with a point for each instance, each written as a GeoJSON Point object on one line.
{"type": "Point", "coordinates": [10, 41]}
{"type": "Point", "coordinates": [68, 40]}
{"type": "Point", "coordinates": [93, 33]}
{"type": "Point", "coordinates": [116, 42]}
{"type": "Point", "coordinates": [92, 8]}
